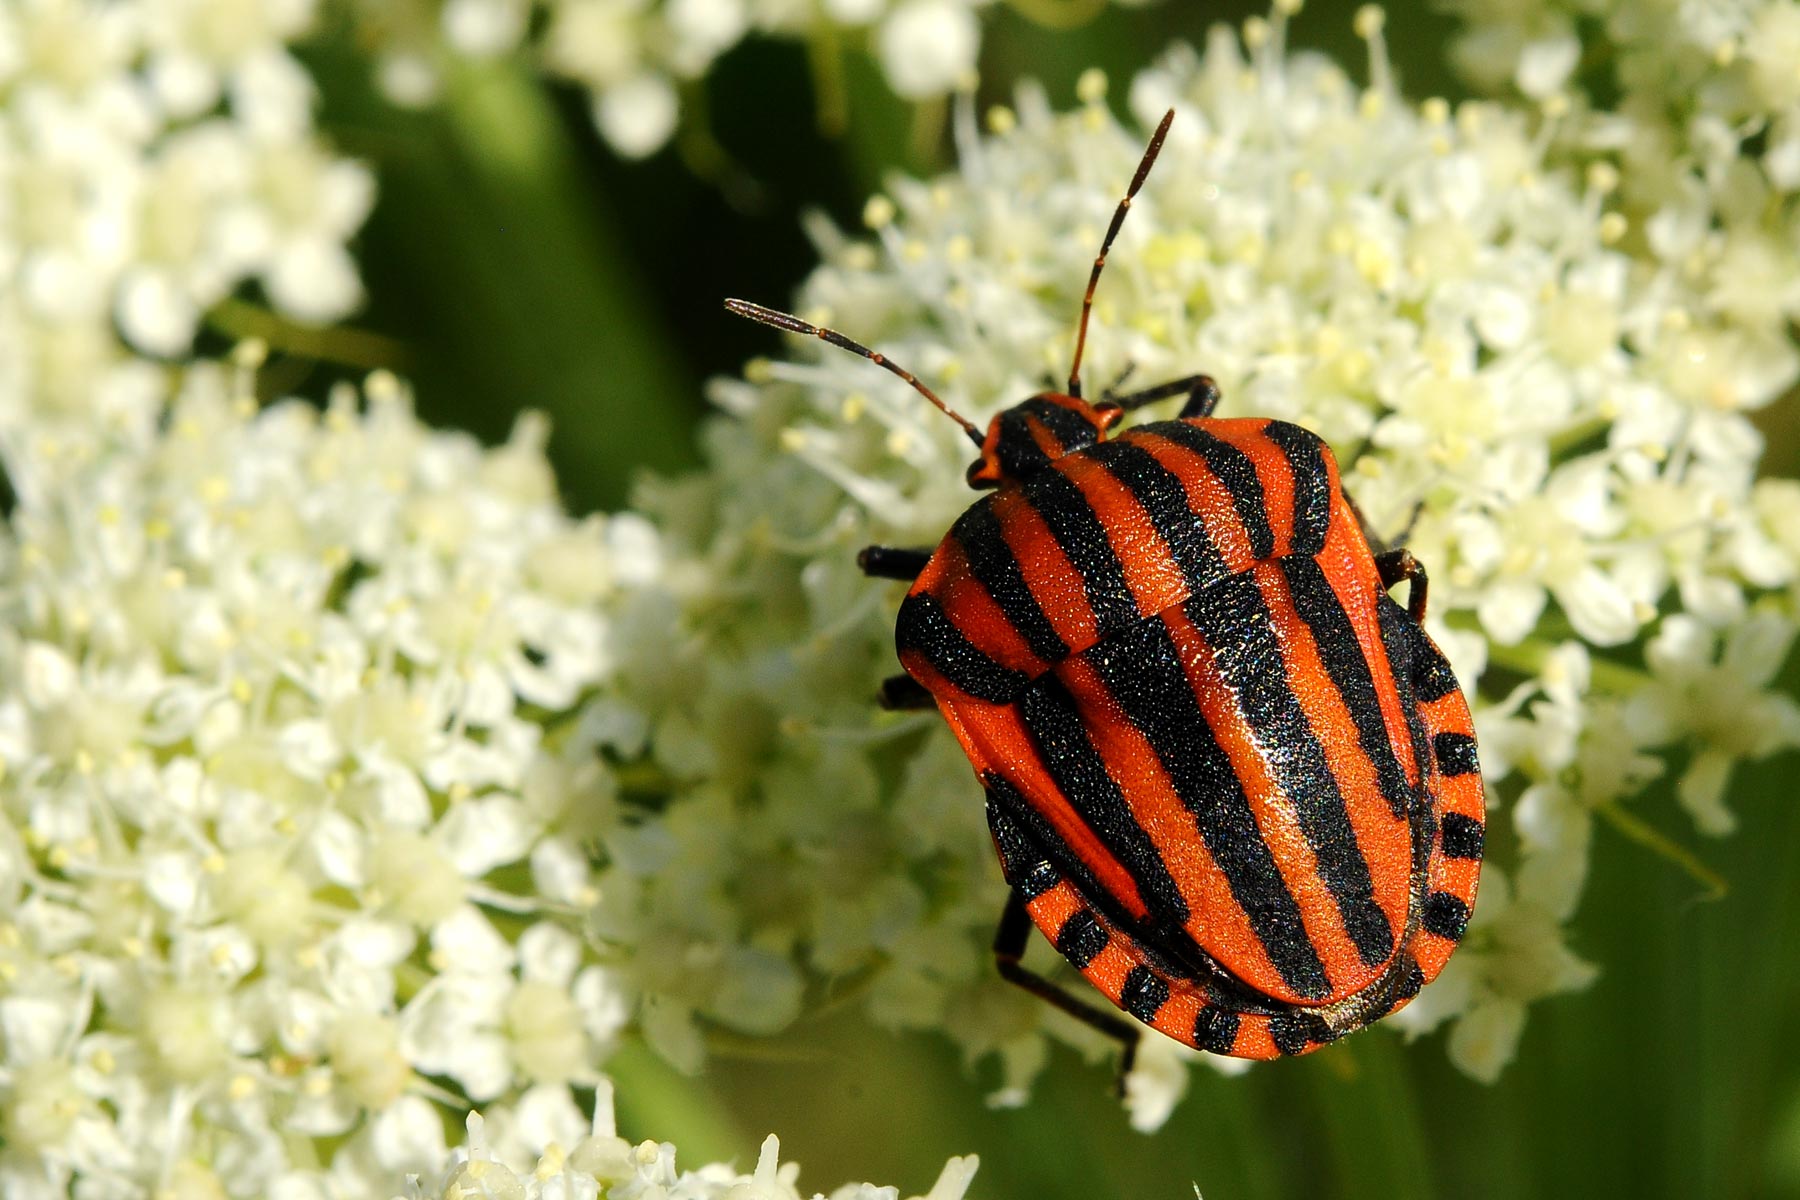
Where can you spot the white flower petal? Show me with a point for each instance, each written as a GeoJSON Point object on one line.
{"type": "Point", "coordinates": [1600, 610]}
{"type": "Point", "coordinates": [927, 47]}
{"type": "Point", "coordinates": [1485, 1039]}
{"type": "Point", "coordinates": [638, 115]}
{"type": "Point", "coordinates": [1545, 66]}
{"type": "Point", "coordinates": [156, 314]}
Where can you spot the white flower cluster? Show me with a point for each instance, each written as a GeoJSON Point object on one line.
{"type": "Point", "coordinates": [603, 1164]}
{"type": "Point", "coordinates": [1705, 129]}
{"type": "Point", "coordinates": [155, 155]}
{"type": "Point", "coordinates": [636, 58]}
{"type": "Point", "coordinates": [1719, 74]}
{"type": "Point", "coordinates": [291, 862]}
{"type": "Point", "coordinates": [1416, 282]}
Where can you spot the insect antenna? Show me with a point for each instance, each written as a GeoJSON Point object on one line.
{"type": "Point", "coordinates": [1112, 231]}
{"type": "Point", "coordinates": [793, 324]}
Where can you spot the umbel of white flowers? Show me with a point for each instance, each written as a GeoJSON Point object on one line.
{"type": "Point", "coordinates": [285, 830]}
{"type": "Point", "coordinates": [642, 60]}
{"type": "Point", "coordinates": [158, 155]}
{"type": "Point", "coordinates": [294, 838]}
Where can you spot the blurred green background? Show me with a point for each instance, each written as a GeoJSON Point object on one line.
{"type": "Point", "coordinates": [513, 262]}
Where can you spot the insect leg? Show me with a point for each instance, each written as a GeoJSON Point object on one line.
{"type": "Point", "coordinates": [1406, 530]}
{"type": "Point", "coordinates": [1009, 948]}
{"type": "Point", "coordinates": [1375, 540]}
{"type": "Point", "coordinates": [903, 693]}
{"type": "Point", "coordinates": [1202, 399]}
{"type": "Point", "coordinates": [890, 562]}
{"type": "Point", "coordinates": [1111, 394]}
{"type": "Point", "coordinates": [1201, 392]}
{"type": "Point", "coordinates": [1395, 565]}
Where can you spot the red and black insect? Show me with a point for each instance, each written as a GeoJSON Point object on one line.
{"type": "Point", "coordinates": [1232, 780]}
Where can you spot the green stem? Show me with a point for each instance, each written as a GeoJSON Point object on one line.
{"type": "Point", "coordinates": [645, 777]}
{"type": "Point", "coordinates": [409, 980]}
{"type": "Point", "coordinates": [1616, 678]}
{"type": "Point", "coordinates": [1058, 14]}
{"type": "Point", "coordinates": [1660, 844]}
{"type": "Point", "coordinates": [825, 55]}
{"type": "Point", "coordinates": [929, 118]}
{"type": "Point", "coordinates": [1567, 440]}
{"type": "Point", "coordinates": [1528, 658]}
{"type": "Point", "coordinates": [511, 270]}
{"type": "Point", "coordinates": [704, 155]}
{"type": "Point", "coordinates": [1375, 1133]}
{"type": "Point", "coordinates": [242, 320]}
{"type": "Point", "coordinates": [654, 1100]}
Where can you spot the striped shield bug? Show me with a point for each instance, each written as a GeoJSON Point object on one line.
{"type": "Point", "coordinates": [1228, 776]}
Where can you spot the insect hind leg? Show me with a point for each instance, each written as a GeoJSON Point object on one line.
{"type": "Point", "coordinates": [1186, 1009]}
{"type": "Point", "coordinates": [1010, 938]}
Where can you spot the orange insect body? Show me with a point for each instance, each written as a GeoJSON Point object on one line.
{"type": "Point", "coordinates": [1210, 739]}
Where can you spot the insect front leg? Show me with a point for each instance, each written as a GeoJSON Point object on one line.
{"type": "Point", "coordinates": [1203, 398]}
{"type": "Point", "coordinates": [1009, 951]}
{"type": "Point", "coordinates": [1412, 523]}
{"type": "Point", "coordinates": [1375, 540]}
{"type": "Point", "coordinates": [1395, 565]}
{"type": "Point", "coordinates": [1201, 392]}
{"type": "Point", "coordinates": [892, 562]}
{"type": "Point", "coordinates": [1111, 394]}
